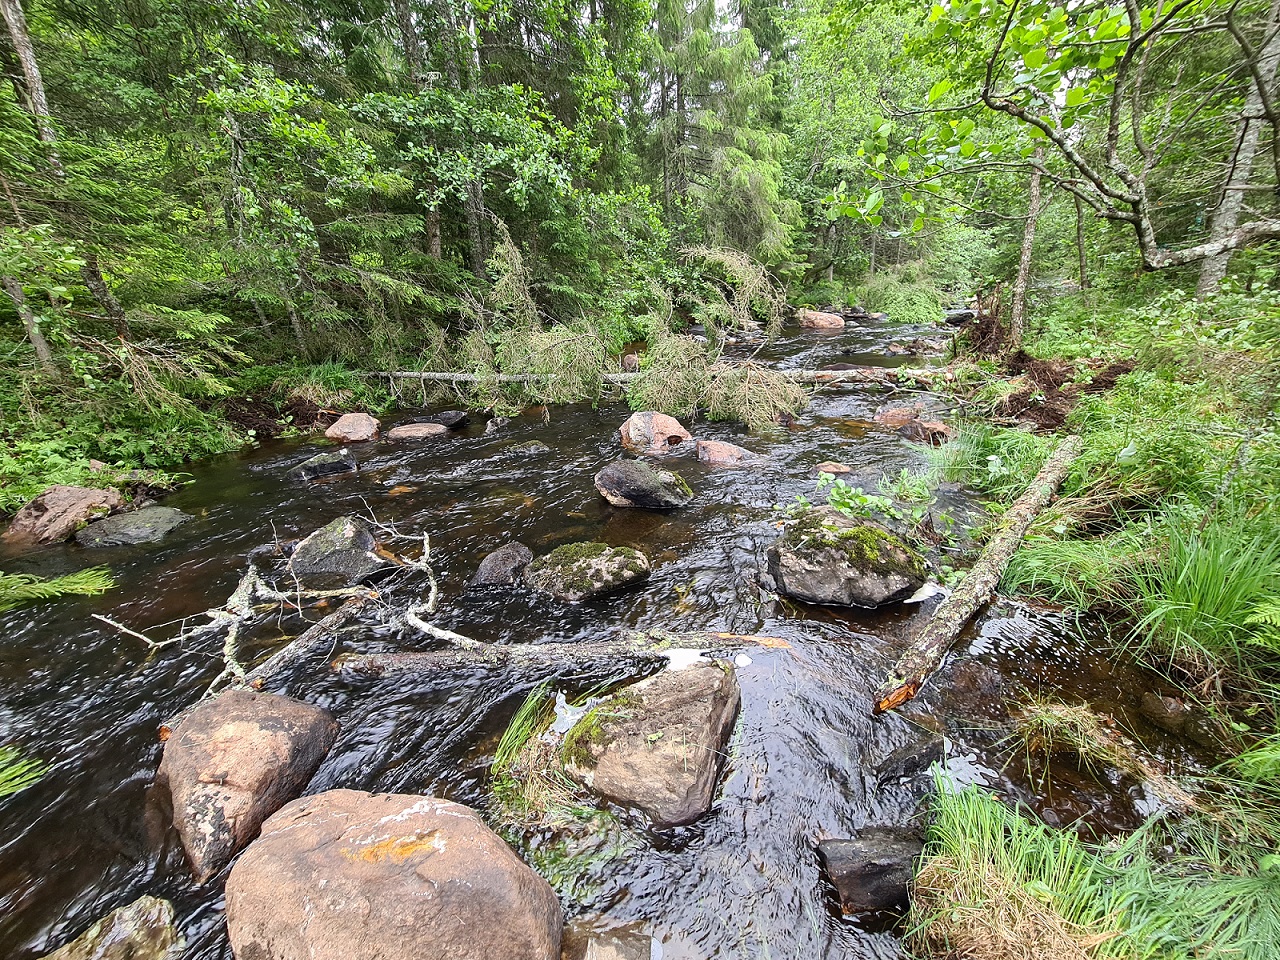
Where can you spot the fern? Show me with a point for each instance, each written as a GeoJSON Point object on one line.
{"type": "Point", "coordinates": [16, 588]}
{"type": "Point", "coordinates": [16, 772]}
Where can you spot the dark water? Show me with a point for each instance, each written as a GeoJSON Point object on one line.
{"type": "Point", "coordinates": [807, 762]}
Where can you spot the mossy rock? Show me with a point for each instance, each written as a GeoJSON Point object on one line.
{"type": "Point", "coordinates": [577, 571]}
{"type": "Point", "coordinates": [828, 557]}
{"type": "Point", "coordinates": [630, 483]}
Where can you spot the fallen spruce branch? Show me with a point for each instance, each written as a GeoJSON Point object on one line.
{"type": "Point", "coordinates": [885, 376]}
{"type": "Point", "coordinates": [933, 642]}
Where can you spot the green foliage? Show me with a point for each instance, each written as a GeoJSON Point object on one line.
{"type": "Point", "coordinates": [17, 588]}
{"type": "Point", "coordinates": [18, 772]}
{"type": "Point", "coordinates": [996, 461]}
{"type": "Point", "coordinates": [1079, 573]}
{"type": "Point", "coordinates": [903, 295]}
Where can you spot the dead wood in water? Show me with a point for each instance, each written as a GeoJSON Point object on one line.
{"type": "Point", "coordinates": [881, 376]}
{"type": "Point", "coordinates": [933, 642]}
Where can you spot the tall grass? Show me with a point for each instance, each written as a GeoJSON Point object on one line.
{"type": "Point", "coordinates": [996, 461]}
{"type": "Point", "coordinates": [1079, 573]}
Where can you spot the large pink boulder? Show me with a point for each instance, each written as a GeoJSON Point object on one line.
{"type": "Point", "coordinates": [721, 454]}
{"type": "Point", "coordinates": [348, 875]}
{"type": "Point", "coordinates": [816, 320]}
{"type": "Point", "coordinates": [58, 512]}
{"type": "Point", "coordinates": [655, 434]}
{"type": "Point", "coordinates": [353, 428]}
{"type": "Point", "coordinates": [417, 431]}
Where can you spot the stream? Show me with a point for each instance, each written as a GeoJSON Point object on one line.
{"type": "Point", "coordinates": [807, 761]}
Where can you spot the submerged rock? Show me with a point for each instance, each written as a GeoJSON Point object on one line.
{"type": "Point", "coordinates": [232, 762]}
{"type": "Point", "coordinates": [139, 526]}
{"type": "Point", "coordinates": [353, 428]}
{"type": "Point", "coordinates": [495, 424]}
{"type": "Point", "coordinates": [347, 874]}
{"type": "Point", "coordinates": [659, 745]}
{"type": "Point", "coordinates": [630, 483]}
{"type": "Point", "coordinates": [55, 514]}
{"type": "Point", "coordinates": [832, 467]}
{"type": "Point", "coordinates": [143, 930]}
{"type": "Point", "coordinates": [344, 550]}
{"type": "Point", "coordinates": [655, 434]}
{"type": "Point", "coordinates": [324, 465]}
{"type": "Point", "coordinates": [417, 431]}
{"type": "Point", "coordinates": [933, 432]}
{"type": "Point", "coordinates": [503, 566]}
{"type": "Point", "coordinates": [452, 419]}
{"type": "Point", "coordinates": [583, 942]}
{"type": "Point", "coordinates": [827, 557]}
{"type": "Point", "coordinates": [818, 320]}
{"type": "Point", "coordinates": [721, 454]}
{"type": "Point", "coordinates": [529, 448]}
{"type": "Point", "coordinates": [577, 571]}
{"type": "Point", "coordinates": [872, 874]}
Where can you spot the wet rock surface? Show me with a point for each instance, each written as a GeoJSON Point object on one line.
{"type": "Point", "coordinates": [503, 566]}
{"type": "Point", "coordinates": [342, 552]}
{"type": "Point", "coordinates": [55, 514]}
{"type": "Point", "coordinates": [819, 320]}
{"type": "Point", "coordinates": [451, 419]}
{"type": "Point", "coordinates": [654, 434]}
{"type": "Point", "coordinates": [721, 454]}
{"type": "Point", "coordinates": [354, 428]}
{"type": "Point", "coordinates": [232, 762]}
{"type": "Point", "coordinates": [142, 930]}
{"type": "Point", "coordinates": [659, 746]}
{"type": "Point", "coordinates": [426, 430]}
{"type": "Point", "coordinates": [324, 465]}
{"type": "Point", "coordinates": [578, 571]}
{"type": "Point", "coordinates": [827, 557]}
{"type": "Point", "coordinates": [581, 942]}
{"type": "Point", "coordinates": [147, 525]}
{"type": "Point", "coordinates": [872, 873]}
{"type": "Point", "coordinates": [631, 483]}
{"type": "Point", "coordinates": [346, 874]}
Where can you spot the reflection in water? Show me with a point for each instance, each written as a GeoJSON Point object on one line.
{"type": "Point", "coordinates": [806, 756]}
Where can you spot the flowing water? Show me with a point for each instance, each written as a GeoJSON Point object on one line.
{"type": "Point", "coordinates": [807, 761]}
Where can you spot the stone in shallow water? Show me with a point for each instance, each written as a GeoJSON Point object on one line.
{"type": "Point", "coordinates": [872, 873]}
{"type": "Point", "coordinates": [630, 483]}
{"type": "Point", "coordinates": [346, 875]}
{"type": "Point", "coordinates": [54, 515]}
{"type": "Point", "coordinates": [502, 566]}
{"type": "Point", "coordinates": [324, 465]}
{"type": "Point", "coordinates": [721, 454]}
{"type": "Point", "coordinates": [139, 526]}
{"type": "Point", "coordinates": [232, 762]}
{"type": "Point", "coordinates": [659, 745]}
{"type": "Point", "coordinates": [655, 434]}
{"type": "Point", "coordinates": [143, 930]}
{"type": "Point", "coordinates": [818, 320]}
{"type": "Point", "coordinates": [417, 431]}
{"type": "Point", "coordinates": [353, 428]}
{"type": "Point", "coordinates": [344, 551]}
{"type": "Point", "coordinates": [577, 571]}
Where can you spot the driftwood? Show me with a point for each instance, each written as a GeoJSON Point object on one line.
{"type": "Point", "coordinates": [884, 376]}
{"type": "Point", "coordinates": [933, 642]}
{"type": "Point", "coordinates": [305, 644]}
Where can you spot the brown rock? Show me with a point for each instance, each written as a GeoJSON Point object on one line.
{"type": "Point", "coordinates": [816, 320]}
{"type": "Point", "coordinates": [830, 466]}
{"type": "Point", "coordinates": [232, 762]}
{"type": "Point", "coordinates": [654, 434]}
{"type": "Point", "coordinates": [898, 415]}
{"type": "Point", "coordinates": [720, 454]}
{"type": "Point", "coordinates": [660, 744]}
{"type": "Point", "coordinates": [417, 431]}
{"type": "Point", "coordinates": [143, 930]}
{"type": "Point", "coordinates": [55, 514]}
{"type": "Point", "coordinates": [347, 875]}
{"type": "Point", "coordinates": [932, 432]}
{"type": "Point", "coordinates": [353, 427]}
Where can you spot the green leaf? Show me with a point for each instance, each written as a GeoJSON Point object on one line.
{"type": "Point", "coordinates": [1075, 96]}
{"type": "Point", "coordinates": [939, 89]}
{"type": "Point", "coordinates": [1034, 58]}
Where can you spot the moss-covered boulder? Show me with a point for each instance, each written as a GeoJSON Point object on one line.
{"type": "Point", "coordinates": [341, 553]}
{"type": "Point", "coordinates": [143, 930]}
{"type": "Point", "coordinates": [577, 571]}
{"type": "Point", "coordinates": [630, 483]}
{"type": "Point", "coordinates": [828, 557]}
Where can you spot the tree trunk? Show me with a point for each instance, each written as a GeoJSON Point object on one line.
{"type": "Point", "coordinates": [1080, 245]}
{"type": "Point", "coordinates": [434, 246]}
{"type": "Point", "coordinates": [91, 273]}
{"type": "Point", "coordinates": [409, 39]}
{"type": "Point", "coordinates": [1226, 216]}
{"type": "Point", "coordinates": [933, 642]}
{"type": "Point", "coordinates": [16, 21]}
{"type": "Point", "coordinates": [1017, 312]}
{"type": "Point", "coordinates": [14, 289]}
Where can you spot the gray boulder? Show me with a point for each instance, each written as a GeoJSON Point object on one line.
{"type": "Point", "coordinates": [630, 483]}
{"type": "Point", "coordinates": [143, 930]}
{"type": "Point", "coordinates": [577, 571]}
{"type": "Point", "coordinates": [324, 465]}
{"type": "Point", "coordinates": [347, 875]}
{"type": "Point", "coordinates": [139, 526]}
{"type": "Point", "coordinates": [659, 745]}
{"type": "Point", "coordinates": [872, 874]}
{"type": "Point", "coordinates": [827, 557]}
{"type": "Point", "coordinates": [232, 762]}
{"type": "Point", "coordinates": [502, 567]}
{"type": "Point", "coordinates": [344, 550]}
{"type": "Point", "coordinates": [453, 419]}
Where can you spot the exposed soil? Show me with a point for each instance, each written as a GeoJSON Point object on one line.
{"type": "Point", "coordinates": [1050, 392]}
{"type": "Point", "coordinates": [267, 420]}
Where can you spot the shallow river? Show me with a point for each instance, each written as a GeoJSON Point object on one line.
{"type": "Point", "coordinates": [807, 762]}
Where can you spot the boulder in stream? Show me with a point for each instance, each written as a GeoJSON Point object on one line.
{"type": "Point", "coordinates": [721, 454]}
{"type": "Point", "coordinates": [630, 483]}
{"type": "Point", "coordinates": [872, 873]}
{"type": "Point", "coordinates": [577, 571]}
{"type": "Point", "coordinates": [142, 930]}
{"type": "Point", "coordinates": [147, 525]}
{"type": "Point", "coordinates": [827, 557]}
{"type": "Point", "coordinates": [232, 762]}
{"type": "Point", "coordinates": [346, 875]}
{"type": "Point", "coordinates": [354, 428]}
{"type": "Point", "coordinates": [324, 465]}
{"type": "Point", "coordinates": [452, 419]}
{"type": "Point", "coordinates": [503, 566]}
{"type": "Point", "coordinates": [818, 320]}
{"type": "Point", "coordinates": [55, 514]}
{"type": "Point", "coordinates": [417, 431]}
{"type": "Point", "coordinates": [344, 551]}
{"type": "Point", "coordinates": [659, 745]}
{"type": "Point", "coordinates": [654, 434]}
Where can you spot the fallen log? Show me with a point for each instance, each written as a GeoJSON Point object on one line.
{"type": "Point", "coordinates": [305, 644]}
{"type": "Point", "coordinates": [933, 642]}
{"type": "Point", "coordinates": [874, 375]}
